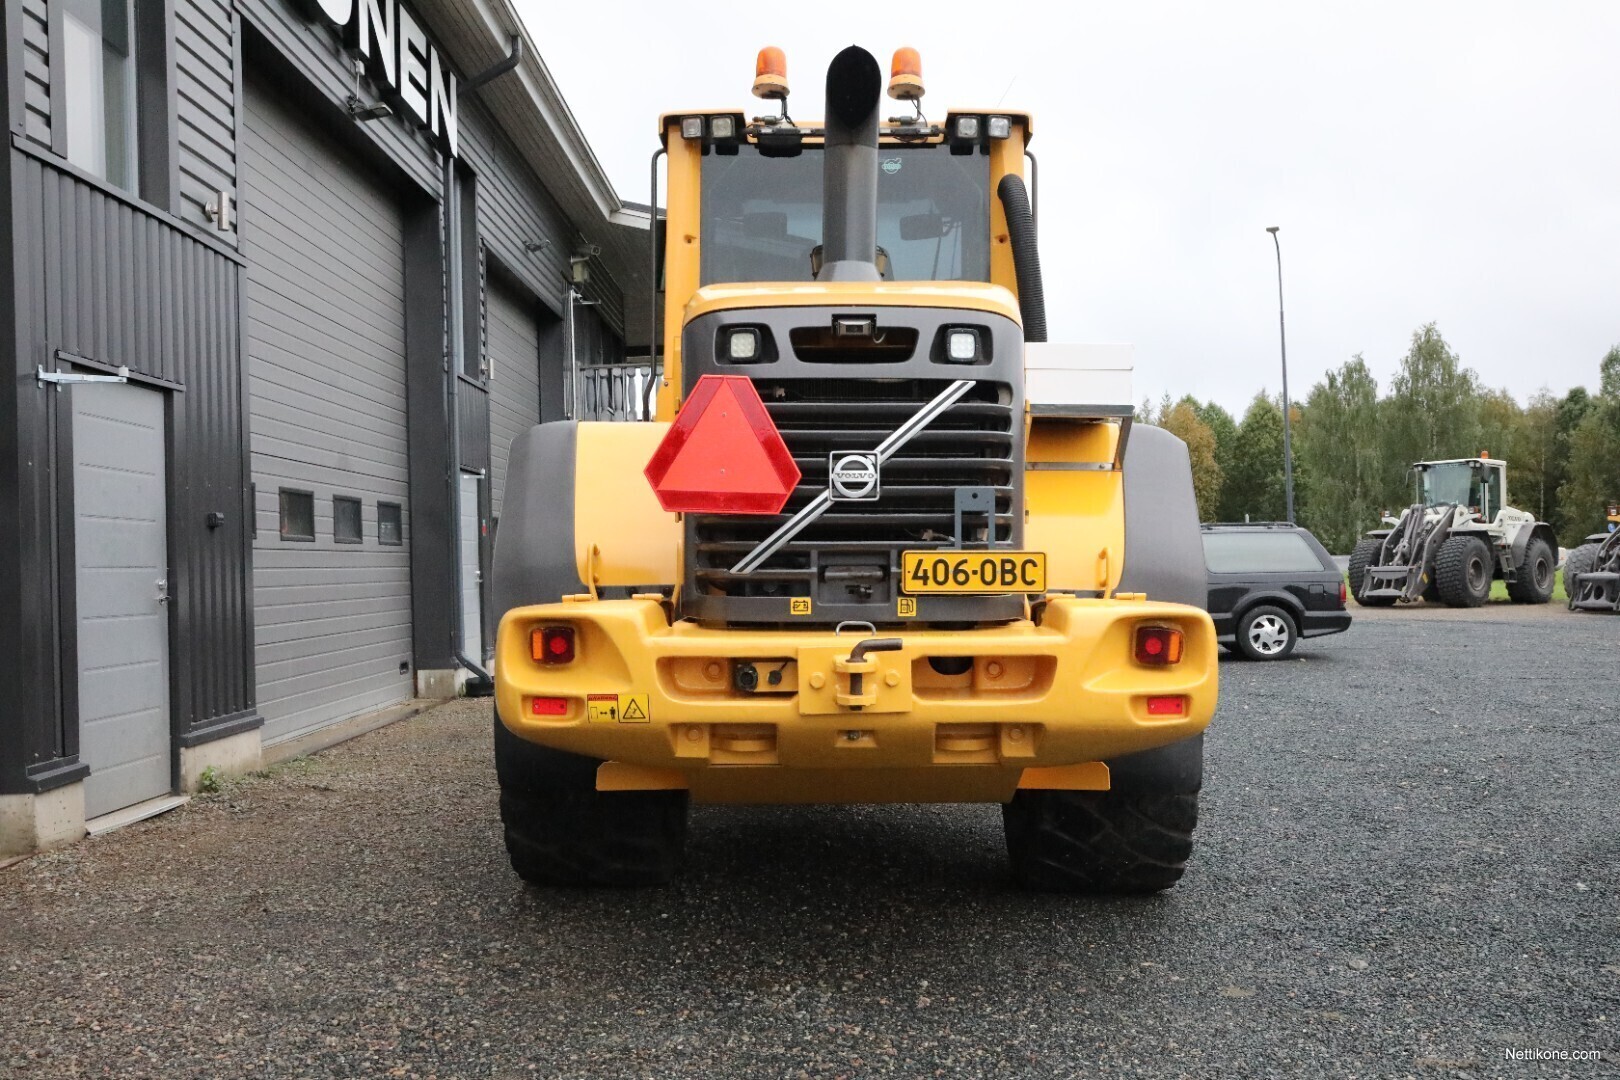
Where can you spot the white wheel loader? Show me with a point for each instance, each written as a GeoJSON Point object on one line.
{"type": "Point", "coordinates": [1458, 537]}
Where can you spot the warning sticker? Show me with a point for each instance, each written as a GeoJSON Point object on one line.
{"type": "Point", "coordinates": [799, 605]}
{"type": "Point", "coordinates": [603, 708]}
{"type": "Point", "coordinates": [635, 709]}
{"type": "Point", "coordinates": [906, 607]}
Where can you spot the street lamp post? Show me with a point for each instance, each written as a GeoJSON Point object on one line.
{"type": "Point", "coordinates": [1282, 330]}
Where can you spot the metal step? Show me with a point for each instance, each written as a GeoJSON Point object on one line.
{"type": "Point", "coordinates": [1377, 594]}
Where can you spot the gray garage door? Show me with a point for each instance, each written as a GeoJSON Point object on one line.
{"type": "Point", "coordinates": [514, 381]}
{"type": "Point", "coordinates": [326, 354]}
{"type": "Point", "coordinates": [121, 551]}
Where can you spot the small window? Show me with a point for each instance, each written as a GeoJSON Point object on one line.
{"type": "Point", "coordinates": [98, 86]}
{"type": "Point", "coordinates": [1259, 552]}
{"type": "Point", "coordinates": [297, 515]}
{"type": "Point", "coordinates": [390, 524]}
{"type": "Point", "coordinates": [346, 527]}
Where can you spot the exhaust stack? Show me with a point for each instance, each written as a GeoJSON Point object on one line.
{"type": "Point", "coordinates": [850, 168]}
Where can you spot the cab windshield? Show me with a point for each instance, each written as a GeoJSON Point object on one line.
{"type": "Point", "coordinates": [1461, 482]}
{"type": "Point", "coordinates": [762, 216]}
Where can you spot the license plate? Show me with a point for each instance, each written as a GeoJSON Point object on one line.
{"type": "Point", "coordinates": [973, 571]}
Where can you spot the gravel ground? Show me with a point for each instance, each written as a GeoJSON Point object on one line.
{"type": "Point", "coordinates": [1409, 862]}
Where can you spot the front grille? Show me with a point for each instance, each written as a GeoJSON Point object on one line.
{"type": "Point", "coordinates": [851, 554]}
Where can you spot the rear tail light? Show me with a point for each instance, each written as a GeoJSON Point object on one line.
{"type": "Point", "coordinates": [550, 706]}
{"type": "Point", "coordinates": [1344, 593]}
{"type": "Point", "coordinates": [552, 644]}
{"type": "Point", "coordinates": [1167, 706]}
{"type": "Point", "coordinates": [1158, 646]}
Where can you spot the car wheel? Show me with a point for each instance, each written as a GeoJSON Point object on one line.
{"type": "Point", "coordinates": [1267, 633]}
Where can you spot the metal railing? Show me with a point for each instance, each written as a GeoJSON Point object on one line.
{"type": "Point", "coordinates": [614, 391]}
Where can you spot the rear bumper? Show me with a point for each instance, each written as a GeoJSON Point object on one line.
{"type": "Point", "coordinates": [1319, 623]}
{"type": "Point", "coordinates": [651, 695]}
{"type": "Point", "coordinates": [1311, 624]}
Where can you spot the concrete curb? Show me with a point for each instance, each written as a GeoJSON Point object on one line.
{"type": "Point", "coordinates": [337, 734]}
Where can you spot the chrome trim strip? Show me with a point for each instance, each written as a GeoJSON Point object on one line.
{"type": "Point", "coordinates": [823, 502]}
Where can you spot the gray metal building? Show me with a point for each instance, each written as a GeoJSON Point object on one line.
{"type": "Point", "coordinates": [285, 279]}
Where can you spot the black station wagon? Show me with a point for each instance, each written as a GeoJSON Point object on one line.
{"type": "Point", "coordinates": [1270, 584]}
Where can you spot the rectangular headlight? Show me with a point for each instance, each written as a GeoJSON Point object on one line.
{"type": "Point", "coordinates": [962, 346]}
{"type": "Point", "coordinates": [967, 127]}
{"type": "Point", "coordinates": [722, 127]}
{"type": "Point", "coordinates": [692, 127]}
{"type": "Point", "coordinates": [1000, 127]}
{"type": "Point", "coordinates": [742, 345]}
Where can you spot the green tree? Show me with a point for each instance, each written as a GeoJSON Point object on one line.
{"type": "Point", "coordinates": [1254, 481]}
{"type": "Point", "coordinates": [1182, 420]}
{"type": "Point", "coordinates": [1567, 520]}
{"type": "Point", "coordinates": [1592, 469]}
{"type": "Point", "coordinates": [1224, 428]}
{"type": "Point", "coordinates": [1532, 455]}
{"type": "Point", "coordinates": [1337, 444]}
{"type": "Point", "coordinates": [1433, 410]}
{"type": "Point", "coordinates": [1500, 417]}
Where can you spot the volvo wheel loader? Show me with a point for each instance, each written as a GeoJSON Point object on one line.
{"type": "Point", "coordinates": [1458, 537]}
{"type": "Point", "coordinates": [882, 543]}
{"type": "Point", "coordinates": [1592, 571]}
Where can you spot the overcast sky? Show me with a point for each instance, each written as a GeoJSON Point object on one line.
{"type": "Point", "coordinates": [1454, 162]}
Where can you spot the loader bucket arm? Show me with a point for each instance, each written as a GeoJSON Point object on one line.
{"type": "Point", "coordinates": [1405, 563]}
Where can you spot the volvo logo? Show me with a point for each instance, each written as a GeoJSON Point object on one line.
{"type": "Point", "coordinates": [852, 477]}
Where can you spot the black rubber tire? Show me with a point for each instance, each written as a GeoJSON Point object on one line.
{"type": "Point", "coordinates": [1361, 557]}
{"type": "Point", "coordinates": [1463, 571]}
{"type": "Point", "coordinates": [1579, 561]}
{"type": "Point", "coordinates": [1535, 584]}
{"type": "Point", "coordinates": [1431, 592]}
{"type": "Point", "coordinates": [561, 831]}
{"type": "Point", "coordinates": [1270, 617]}
{"type": "Point", "coordinates": [1099, 841]}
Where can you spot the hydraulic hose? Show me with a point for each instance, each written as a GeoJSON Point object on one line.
{"type": "Point", "coordinates": [1026, 260]}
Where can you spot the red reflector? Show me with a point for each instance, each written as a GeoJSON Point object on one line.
{"type": "Point", "coordinates": [723, 454]}
{"type": "Point", "coordinates": [1167, 706]}
{"type": "Point", "coordinates": [552, 644]}
{"type": "Point", "coordinates": [1158, 645]}
{"type": "Point", "coordinates": [550, 706]}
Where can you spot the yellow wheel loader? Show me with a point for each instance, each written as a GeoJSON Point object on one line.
{"type": "Point", "coordinates": [1592, 571]}
{"type": "Point", "coordinates": [883, 543]}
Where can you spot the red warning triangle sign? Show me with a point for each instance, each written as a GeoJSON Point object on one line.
{"type": "Point", "coordinates": [723, 454]}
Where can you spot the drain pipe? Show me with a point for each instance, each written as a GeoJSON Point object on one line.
{"type": "Point", "coordinates": [490, 74]}
{"type": "Point", "coordinates": [483, 684]}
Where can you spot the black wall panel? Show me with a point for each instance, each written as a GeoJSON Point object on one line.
{"type": "Point", "coordinates": [104, 283]}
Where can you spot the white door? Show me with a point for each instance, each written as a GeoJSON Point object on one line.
{"type": "Point", "coordinates": [472, 604]}
{"type": "Point", "coordinates": [120, 542]}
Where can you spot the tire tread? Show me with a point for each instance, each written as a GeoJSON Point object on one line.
{"type": "Point", "coordinates": [1451, 571]}
{"type": "Point", "coordinates": [1099, 841]}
